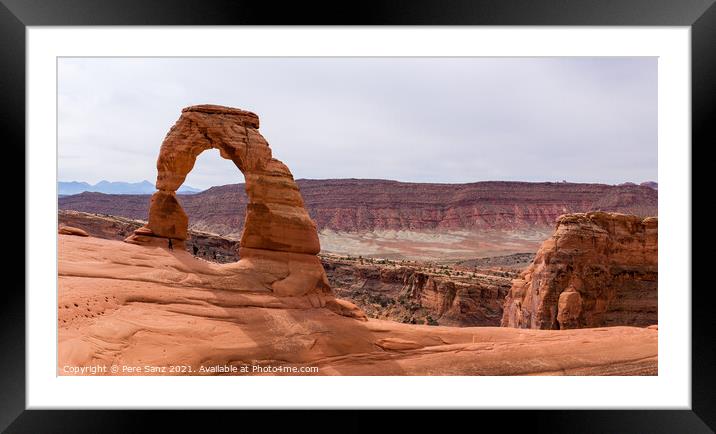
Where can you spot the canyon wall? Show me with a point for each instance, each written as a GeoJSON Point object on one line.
{"type": "Point", "coordinates": [419, 294]}
{"type": "Point", "coordinates": [598, 269]}
{"type": "Point", "coordinates": [355, 205]}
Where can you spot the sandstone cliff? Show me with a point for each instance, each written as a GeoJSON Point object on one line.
{"type": "Point", "coordinates": [598, 269]}
{"type": "Point", "coordinates": [356, 205]}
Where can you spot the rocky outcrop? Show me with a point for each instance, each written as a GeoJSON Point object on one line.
{"type": "Point", "coordinates": [69, 230]}
{"type": "Point", "coordinates": [278, 238]}
{"type": "Point", "coordinates": [416, 294]}
{"type": "Point", "coordinates": [356, 205]}
{"type": "Point", "coordinates": [410, 292]}
{"type": "Point", "coordinates": [598, 269]}
{"type": "Point", "coordinates": [204, 245]}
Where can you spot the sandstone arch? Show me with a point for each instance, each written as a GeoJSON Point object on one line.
{"type": "Point", "coordinates": [279, 238]}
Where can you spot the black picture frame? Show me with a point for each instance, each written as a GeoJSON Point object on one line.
{"type": "Point", "coordinates": [16, 15]}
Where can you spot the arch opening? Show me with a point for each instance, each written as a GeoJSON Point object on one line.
{"type": "Point", "coordinates": [222, 215]}
{"type": "Point", "coordinates": [279, 239]}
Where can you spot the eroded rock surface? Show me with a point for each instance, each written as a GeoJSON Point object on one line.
{"type": "Point", "coordinates": [598, 269]}
{"type": "Point", "coordinates": [279, 238]}
{"type": "Point", "coordinates": [405, 291]}
{"type": "Point", "coordinates": [418, 294]}
{"type": "Point", "coordinates": [203, 245]}
{"type": "Point", "coordinates": [368, 205]}
{"type": "Point", "coordinates": [137, 304]}
{"type": "Point", "coordinates": [135, 307]}
{"type": "Point", "coordinates": [70, 230]}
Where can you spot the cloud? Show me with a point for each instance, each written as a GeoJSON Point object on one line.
{"type": "Point", "coordinates": [411, 119]}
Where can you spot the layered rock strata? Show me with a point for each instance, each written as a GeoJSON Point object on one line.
{"type": "Point", "coordinates": [417, 294]}
{"type": "Point", "coordinates": [598, 269]}
{"type": "Point", "coordinates": [360, 205]}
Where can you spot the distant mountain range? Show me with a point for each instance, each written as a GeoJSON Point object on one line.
{"type": "Point", "coordinates": [356, 205]}
{"type": "Point", "coordinates": [107, 187]}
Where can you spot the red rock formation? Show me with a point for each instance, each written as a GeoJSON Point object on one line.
{"type": "Point", "coordinates": [167, 218]}
{"type": "Point", "coordinates": [355, 205]}
{"type": "Point", "coordinates": [412, 294]}
{"type": "Point", "coordinates": [279, 238]}
{"type": "Point", "coordinates": [598, 269]}
{"type": "Point", "coordinates": [208, 246]}
{"type": "Point", "coordinates": [134, 307]}
{"type": "Point", "coordinates": [69, 230]}
{"type": "Point", "coordinates": [407, 293]}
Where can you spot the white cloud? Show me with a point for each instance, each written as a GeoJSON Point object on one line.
{"type": "Point", "coordinates": [411, 119]}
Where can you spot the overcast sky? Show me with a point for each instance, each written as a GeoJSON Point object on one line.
{"type": "Point", "coordinates": [408, 119]}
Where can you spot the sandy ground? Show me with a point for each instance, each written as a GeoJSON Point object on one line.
{"type": "Point", "coordinates": [132, 310]}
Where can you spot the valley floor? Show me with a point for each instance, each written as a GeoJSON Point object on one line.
{"type": "Point", "coordinates": [434, 245]}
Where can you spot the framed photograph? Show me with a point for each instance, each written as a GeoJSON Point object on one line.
{"type": "Point", "coordinates": [479, 205]}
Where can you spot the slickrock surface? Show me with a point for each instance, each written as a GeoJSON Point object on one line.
{"type": "Point", "coordinates": [137, 306]}
{"type": "Point", "coordinates": [598, 269]}
{"type": "Point", "coordinates": [278, 238]}
{"type": "Point", "coordinates": [419, 294]}
{"type": "Point", "coordinates": [408, 292]}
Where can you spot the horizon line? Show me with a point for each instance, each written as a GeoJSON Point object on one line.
{"type": "Point", "coordinates": [389, 180]}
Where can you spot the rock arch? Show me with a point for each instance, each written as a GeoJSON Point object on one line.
{"type": "Point", "coordinates": [279, 238]}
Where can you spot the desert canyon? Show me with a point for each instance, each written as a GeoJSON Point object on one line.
{"type": "Point", "coordinates": [353, 277]}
